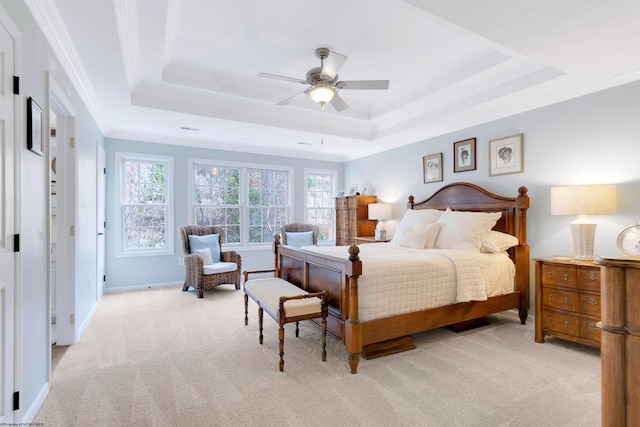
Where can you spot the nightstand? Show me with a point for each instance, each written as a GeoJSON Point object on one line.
{"type": "Point", "coordinates": [370, 239]}
{"type": "Point", "coordinates": [568, 303]}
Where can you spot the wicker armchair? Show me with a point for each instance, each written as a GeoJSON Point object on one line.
{"type": "Point", "coordinates": [298, 227]}
{"type": "Point", "coordinates": [195, 276]}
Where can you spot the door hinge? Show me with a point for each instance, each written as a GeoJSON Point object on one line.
{"type": "Point", "coordinates": [104, 225]}
{"type": "Point", "coordinates": [16, 243]}
{"type": "Point", "coordinates": [16, 85]}
{"type": "Point", "coordinates": [72, 319]}
{"type": "Point", "coordinates": [72, 230]}
{"type": "Point", "coordinates": [16, 400]}
{"type": "Point", "coordinates": [104, 278]}
{"type": "Point", "coordinates": [72, 142]}
{"type": "Point", "coordinates": [104, 171]}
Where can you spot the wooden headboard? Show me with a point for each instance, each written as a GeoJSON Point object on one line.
{"type": "Point", "coordinates": [464, 196]}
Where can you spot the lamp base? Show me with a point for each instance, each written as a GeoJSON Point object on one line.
{"type": "Point", "coordinates": [583, 238]}
{"type": "Point", "coordinates": [381, 234]}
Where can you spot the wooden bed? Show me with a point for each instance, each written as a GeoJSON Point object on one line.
{"type": "Point", "coordinates": [315, 272]}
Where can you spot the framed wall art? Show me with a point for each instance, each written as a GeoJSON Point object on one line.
{"type": "Point", "coordinates": [432, 167]}
{"type": "Point", "coordinates": [506, 155]}
{"type": "Point", "coordinates": [464, 155]}
{"type": "Point", "coordinates": [35, 134]}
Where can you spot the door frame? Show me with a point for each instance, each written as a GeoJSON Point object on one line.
{"type": "Point", "coordinates": [66, 213]}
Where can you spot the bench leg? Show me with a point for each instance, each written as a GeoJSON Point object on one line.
{"type": "Point", "coordinates": [297, 329]}
{"type": "Point", "coordinates": [281, 346]}
{"type": "Point", "coordinates": [324, 338]}
{"type": "Point", "coordinates": [246, 309]}
{"type": "Point", "coordinates": [260, 316]}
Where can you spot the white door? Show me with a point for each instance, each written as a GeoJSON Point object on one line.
{"type": "Point", "coordinates": [101, 195]}
{"type": "Point", "coordinates": [7, 226]}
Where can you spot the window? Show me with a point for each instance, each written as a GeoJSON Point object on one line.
{"type": "Point", "coordinates": [216, 199]}
{"type": "Point", "coordinates": [268, 204]}
{"type": "Point", "coordinates": [319, 204]}
{"type": "Point", "coordinates": [249, 202]}
{"type": "Point", "coordinates": [144, 201]}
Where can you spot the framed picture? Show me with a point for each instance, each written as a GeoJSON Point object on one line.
{"type": "Point", "coordinates": [464, 155]}
{"type": "Point", "coordinates": [353, 189]}
{"type": "Point", "coordinates": [35, 134]}
{"type": "Point", "coordinates": [432, 165]}
{"type": "Point", "coordinates": [505, 155]}
{"type": "Point", "coordinates": [340, 194]}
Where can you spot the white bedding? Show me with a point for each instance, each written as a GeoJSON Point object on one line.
{"type": "Point", "coordinates": [397, 280]}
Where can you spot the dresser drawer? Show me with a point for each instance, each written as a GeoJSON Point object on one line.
{"type": "Point", "coordinates": [563, 300]}
{"type": "Point", "coordinates": [590, 279]}
{"type": "Point", "coordinates": [590, 305]}
{"type": "Point", "coordinates": [563, 276]}
{"type": "Point", "coordinates": [561, 323]}
{"type": "Point", "coordinates": [589, 330]}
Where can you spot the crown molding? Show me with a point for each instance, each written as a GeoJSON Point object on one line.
{"type": "Point", "coordinates": [48, 18]}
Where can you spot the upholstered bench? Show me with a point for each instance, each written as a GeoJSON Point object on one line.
{"type": "Point", "coordinates": [285, 303]}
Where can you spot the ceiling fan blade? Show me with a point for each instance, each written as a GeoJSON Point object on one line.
{"type": "Point", "coordinates": [364, 84]}
{"type": "Point", "coordinates": [289, 99]}
{"type": "Point", "coordinates": [338, 103]}
{"type": "Point", "coordinates": [331, 65]}
{"type": "Point", "coordinates": [285, 78]}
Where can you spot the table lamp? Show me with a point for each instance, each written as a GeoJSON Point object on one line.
{"type": "Point", "coordinates": [380, 212]}
{"type": "Point", "coordinates": [583, 200]}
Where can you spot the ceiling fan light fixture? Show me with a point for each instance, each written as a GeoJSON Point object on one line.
{"type": "Point", "coordinates": [322, 93]}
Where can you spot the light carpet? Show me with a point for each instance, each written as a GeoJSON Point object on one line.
{"type": "Point", "coordinates": [162, 357]}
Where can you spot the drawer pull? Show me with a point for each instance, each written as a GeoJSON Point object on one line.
{"type": "Point", "coordinates": [550, 297]}
{"type": "Point", "coordinates": [593, 276]}
{"type": "Point", "coordinates": [566, 300]}
{"type": "Point", "coordinates": [593, 326]}
{"type": "Point", "coordinates": [566, 324]}
{"type": "Point", "coordinates": [565, 277]}
{"type": "Point", "coordinates": [549, 275]}
{"type": "Point", "coordinates": [593, 301]}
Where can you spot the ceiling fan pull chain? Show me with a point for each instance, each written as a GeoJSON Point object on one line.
{"type": "Point", "coordinates": [322, 124]}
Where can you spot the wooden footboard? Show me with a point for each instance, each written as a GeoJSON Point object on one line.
{"type": "Point", "coordinates": [315, 272]}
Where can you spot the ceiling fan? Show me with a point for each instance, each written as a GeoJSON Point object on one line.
{"type": "Point", "coordinates": [323, 81]}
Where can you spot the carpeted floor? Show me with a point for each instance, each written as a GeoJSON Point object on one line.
{"type": "Point", "coordinates": [162, 357]}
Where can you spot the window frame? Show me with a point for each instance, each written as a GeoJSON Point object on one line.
{"type": "Point", "coordinates": [120, 158]}
{"type": "Point", "coordinates": [244, 193]}
{"type": "Point", "coordinates": [334, 174]}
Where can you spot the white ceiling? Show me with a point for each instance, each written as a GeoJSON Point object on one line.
{"type": "Point", "coordinates": [147, 69]}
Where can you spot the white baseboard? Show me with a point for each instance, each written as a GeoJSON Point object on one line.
{"type": "Point", "coordinates": [110, 289]}
{"type": "Point", "coordinates": [30, 413]}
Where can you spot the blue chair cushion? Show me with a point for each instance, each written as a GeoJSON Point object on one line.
{"type": "Point", "coordinates": [299, 238]}
{"type": "Point", "coordinates": [208, 241]}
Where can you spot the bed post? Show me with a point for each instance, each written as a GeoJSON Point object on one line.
{"type": "Point", "coordinates": [276, 243]}
{"type": "Point", "coordinates": [410, 202]}
{"type": "Point", "coordinates": [353, 327]}
{"type": "Point", "coordinates": [522, 254]}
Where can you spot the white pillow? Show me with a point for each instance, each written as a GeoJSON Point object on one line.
{"type": "Point", "coordinates": [465, 231]}
{"type": "Point", "coordinates": [413, 218]}
{"type": "Point", "coordinates": [420, 237]}
{"type": "Point", "coordinates": [205, 254]}
{"type": "Point", "coordinates": [496, 242]}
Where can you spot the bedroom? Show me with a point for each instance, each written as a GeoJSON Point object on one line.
{"type": "Point", "coordinates": [589, 139]}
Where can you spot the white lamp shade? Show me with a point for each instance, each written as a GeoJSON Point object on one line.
{"type": "Point", "coordinates": [322, 93]}
{"type": "Point", "coordinates": [379, 211]}
{"type": "Point", "coordinates": [597, 199]}
{"type": "Point", "coordinates": [583, 200]}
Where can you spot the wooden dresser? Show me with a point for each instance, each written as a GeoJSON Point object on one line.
{"type": "Point", "coordinates": [568, 303]}
{"type": "Point", "coordinates": [620, 349]}
{"type": "Point", "coordinates": [352, 219]}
